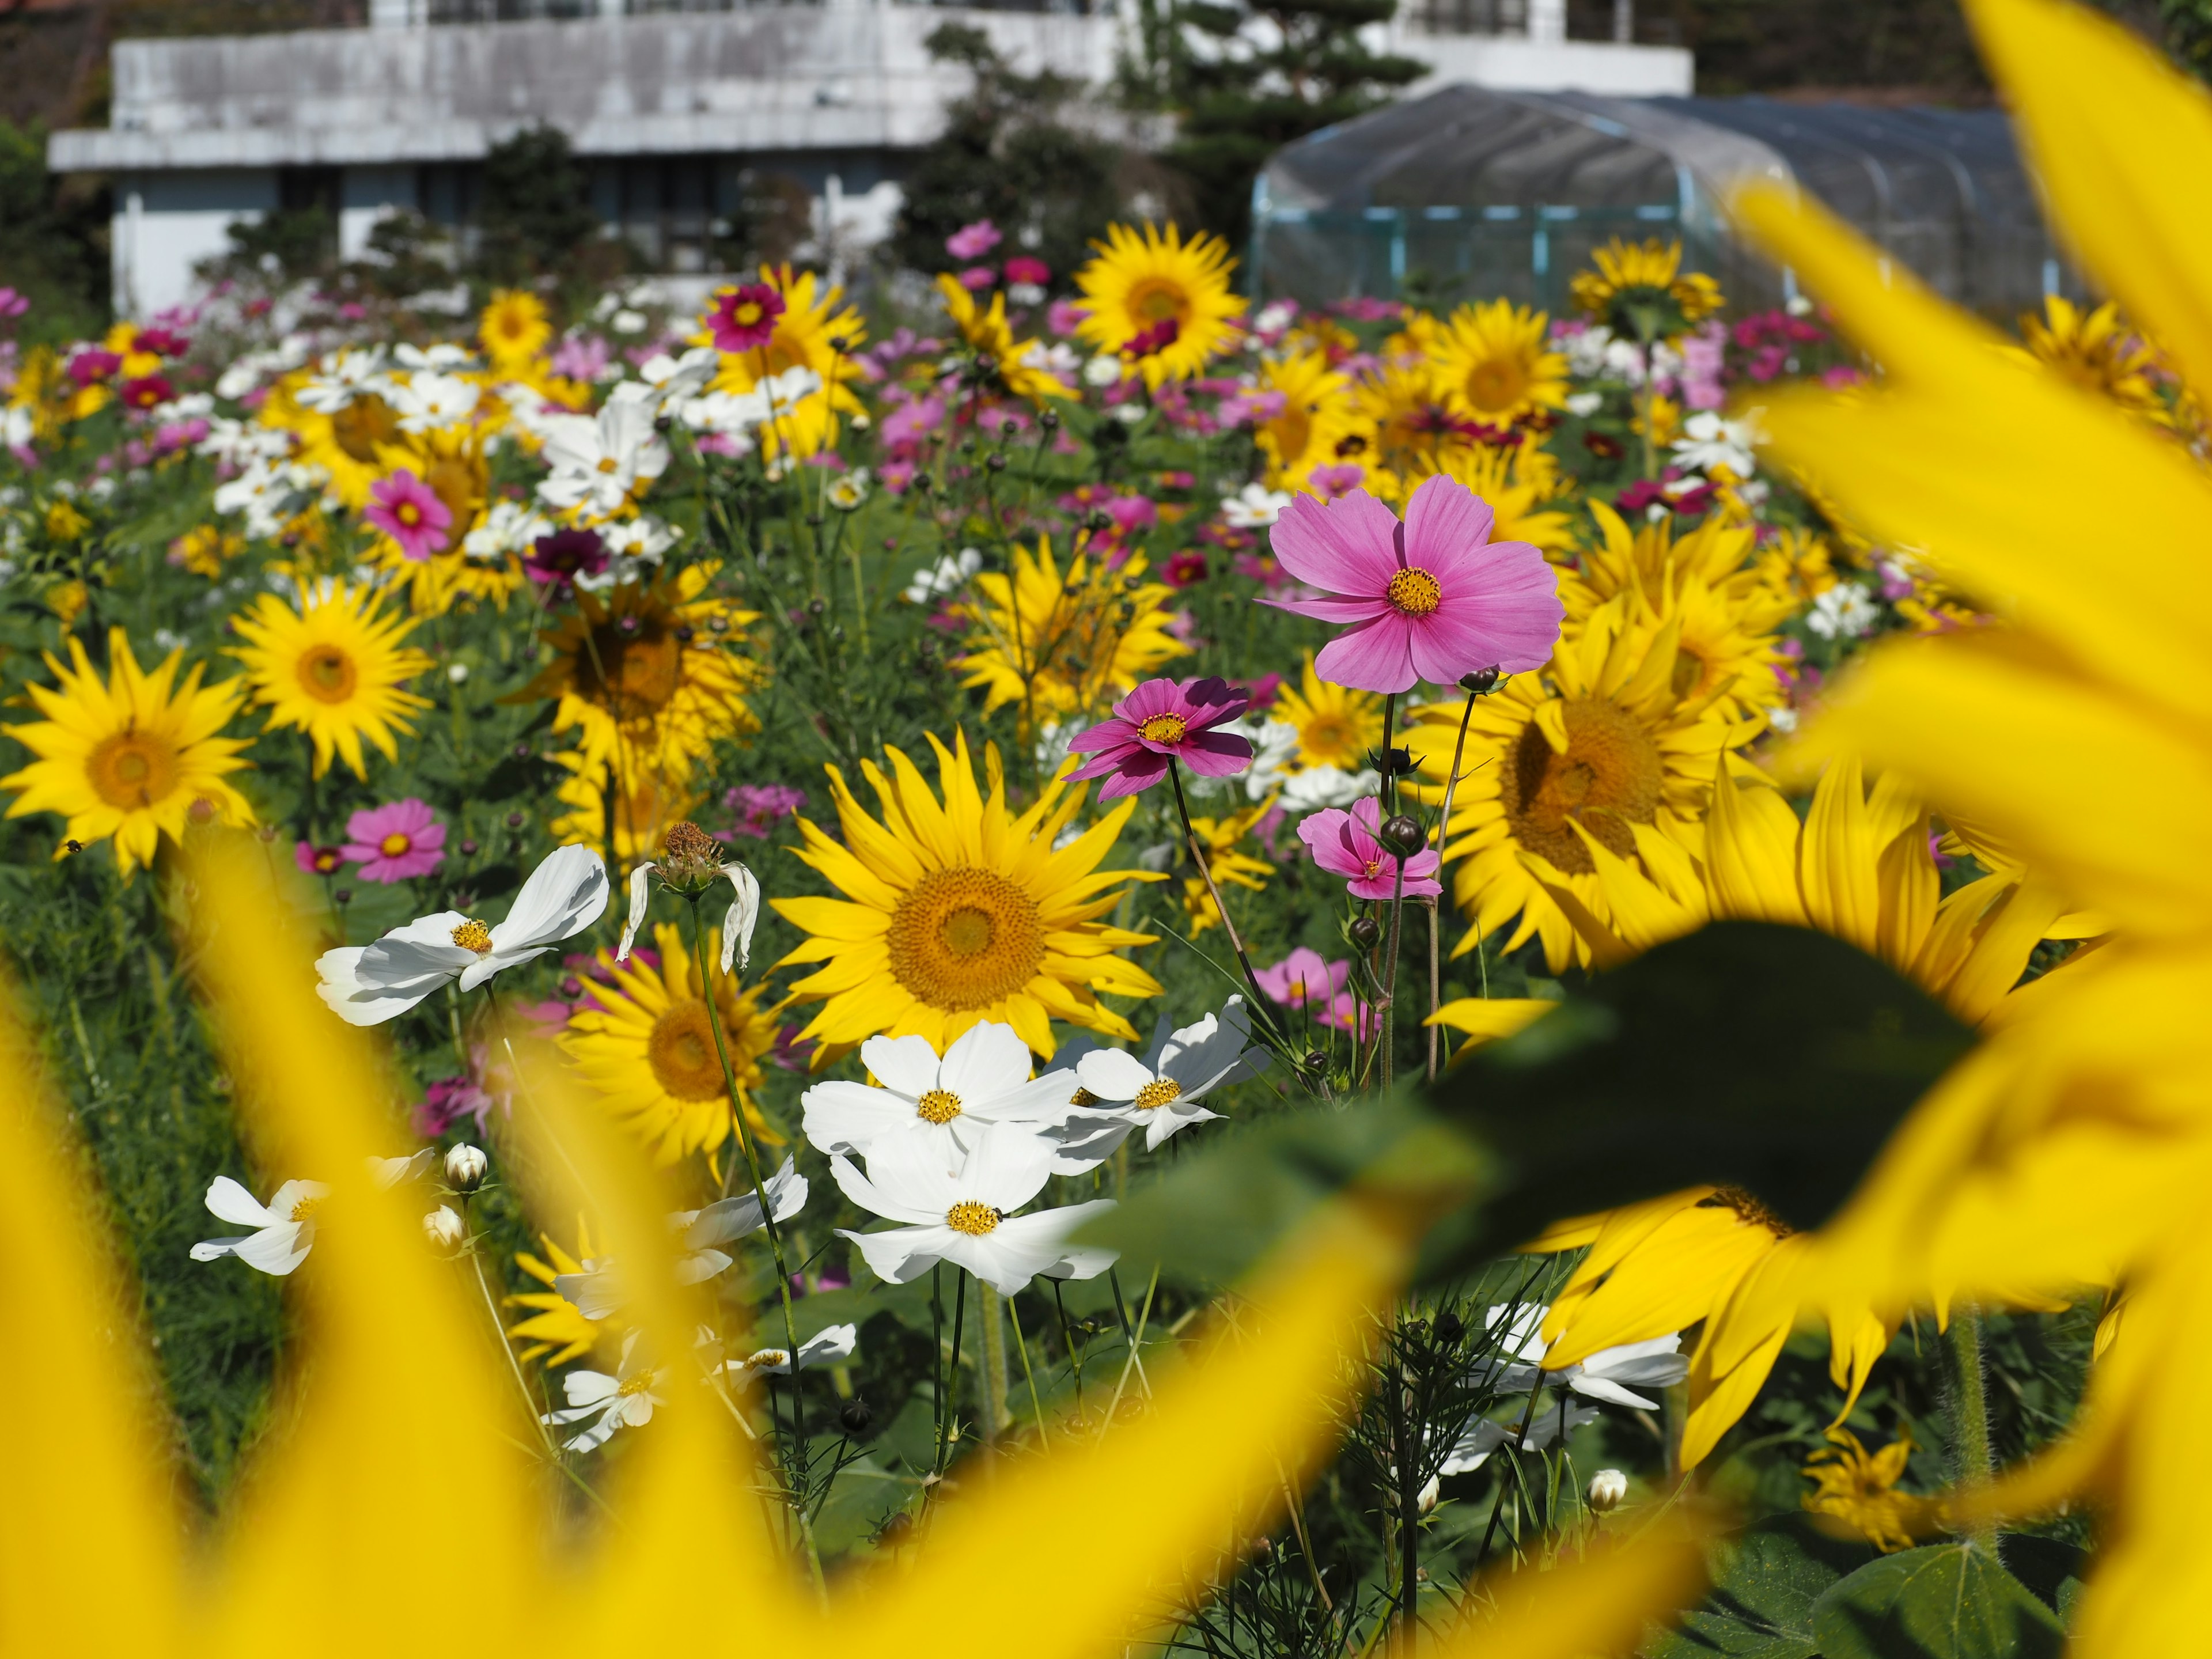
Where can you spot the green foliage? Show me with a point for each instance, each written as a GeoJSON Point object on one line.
{"type": "Point", "coordinates": [1767, 1582]}
{"type": "Point", "coordinates": [535, 215]}
{"type": "Point", "coordinates": [1942, 1601]}
{"type": "Point", "coordinates": [53, 241]}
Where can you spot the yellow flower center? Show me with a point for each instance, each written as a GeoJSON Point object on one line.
{"type": "Point", "coordinates": [747, 313]}
{"type": "Point", "coordinates": [473, 935]}
{"type": "Point", "coordinates": [363, 424]}
{"type": "Point", "coordinates": [1165, 728]}
{"type": "Point", "coordinates": [394, 844]}
{"type": "Point", "coordinates": [938, 1106]}
{"type": "Point", "coordinates": [1161, 1092]}
{"type": "Point", "coordinates": [1083, 1098]}
{"type": "Point", "coordinates": [1610, 777]}
{"type": "Point", "coordinates": [636, 1385]}
{"type": "Point", "coordinates": [1373, 864]}
{"type": "Point", "coordinates": [768, 1356]}
{"type": "Point", "coordinates": [304, 1209]}
{"type": "Point", "coordinates": [973, 1219]}
{"type": "Point", "coordinates": [408, 514]}
{"type": "Point", "coordinates": [1748, 1210]}
{"type": "Point", "coordinates": [682, 1054]}
{"type": "Point", "coordinates": [1157, 300]}
{"type": "Point", "coordinates": [327, 674]}
{"type": "Point", "coordinates": [964, 938]}
{"type": "Point", "coordinates": [1416, 592]}
{"type": "Point", "coordinates": [1495, 386]}
{"type": "Point", "coordinates": [133, 770]}
{"type": "Point", "coordinates": [607, 463]}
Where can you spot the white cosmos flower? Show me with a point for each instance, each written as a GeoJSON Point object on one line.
{"type": "Point", "coordinates": [600, 463]}
{"type": "Point", "coordinates": [624, 1401]}
{"type": "Point", "coordinates": [598, 1291]}
{"type": "Point", "coordinates": [340, 377]}
{"type": "Point", "coordinates": [679, 379]}
{"type": "Point", "coordinates": [849, 491]}
{"type": "Point", "coordinates": [1844, 611]}
{"type": "Point", "coordinates": [1161, 1092]}
{"type": "Point", "coordinates": [1657, 1362]}
{"type": "Point", "coordinates": [437, 359]}
{"type": "Point", "coordinates": [948, 575]}
{"type": "Point", "coordinates": [831, 1345]}
{"type": "Point", "coordinates": [368, 984]}
{"type": "Point", "coordinates": [284, 1228]}
{"type": "Point", "coordinates": [1556, 1415]}
{"type": "Point", "coordinates": [1709, 441]}
{"type": "Point", "coordinates": [430, 400]}
{"type": "Point", "coordinates": [1254, 507]}
{"type": "Point", "coordinates": [737, 924]}
{"type": "Point", "coordinates": [786, 391]}
{"type": "Point", "coordinates": [939, 1106]}
{"type": "Point", "coordinates": [508, 527]}
{"type": "Point", "coordinates": [968, 1219]}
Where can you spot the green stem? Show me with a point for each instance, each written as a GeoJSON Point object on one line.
{"type": "Point", "coordinates": [951, 1375]}
{"type": "Point", "coordinates": [1972, 1460]}
{"type": "Point", "coordinates": [1262, 1008]}
{"type": "Point", "coordinates": [994, 1365]}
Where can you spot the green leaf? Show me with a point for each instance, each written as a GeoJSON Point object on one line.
{"type": "Point", "coordinates": [1774, 1058]}
{"type": "Point", "coordinates": [1942, 1601]}
{"type": "Point", "coordinates": [1765, 1582]}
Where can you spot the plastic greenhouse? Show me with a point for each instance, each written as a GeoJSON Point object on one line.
{"type": "Point", "coordinates": [1470, 192]}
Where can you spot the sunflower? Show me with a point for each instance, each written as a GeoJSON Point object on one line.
{"type": "Point", "coordinates": [1219, 838]}
{"type": "Point", "coordinates": [132, 758]}
{"type": "Point", "coordinates": [2098, 352]}
{"type": "Point", "coordinates": [333, 668]}
{"type": "Point", "coordinates": [1721, 656]}
{"type": "Point", "coordinates": [513, 330]}
{"type": "Point", "coordinates": [626, 799]}
{"type": "Point", "coordinates": [649, 665]}
{"type": "Point", "coordinates": [1637, 289]}
{"type": "Point", "coordinates": [1161, 302]}
{"type": "Point", "coordinates": [1494, 364]}
{"type": "Point", "coordinates": [813, 333]}
{"type": "Point", "coordinates": [453, 462]}
{"type": "Point", "coordinates": [1336, 725]}
{"type": "Point", "coordinates": [1514, 484]}
{"type": "Point", "coordinates": [1416, 433]}
{"type": "Point", "coordinates": [1598, 741]}
{"type": "Point", "coordinates": [958, 912]}
{"type": "Point", "coordinates": [1318, 420]}
{"type": "Point", "coordinates": [988, 335]}
{"type": "Point", "coordinates": [646, 1045]}
{"type": "Point", "coordinates": [1859, 1488]}
{"type": "Point", "coordinates": [345, 445]}
{"type": "Point", "coordinates": [558, 1325]}
{"type": "Point", "coordinates": [1648, 559]}
{"type": "Point", "coordinates": [1063, 645]}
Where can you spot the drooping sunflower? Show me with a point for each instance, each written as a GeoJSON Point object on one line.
{"type": "Point", "coordinates": [556, 1327]}
{"type": "Point", "coordinates": [333, 668]}
{"type": "Point", "coordinates": [651, 664]}
{"type": "Point", "coordinates": [1336, 725]}
{"type": "Point", "coordinates": [1162, 301]}
{"type": "Point", "coordinates": [958, 911]}
{"type": "Point", "coordinates": [1638, 289]}
{"type": "Point", "coordinates": [2098, 352]}
{"type": "Point", "coordinates": [130, 758]}
{"type": "Point", "coordinates": [989, 335]}
{"type": "Point", "coordinates": [1318, 416]}
{"type": "Point", "coordinates": [1599, 738]}
{"type": "Point", "coordinates": [816, 331]}
{"type": "Point", "coordinates": [1063, 645]}
{"type": "Point", "coordinates": [646, 1044]}
{"type": "Point", "coordinates": [514, 329]}
{"type": "Point", "coordinates": [1495, 365]}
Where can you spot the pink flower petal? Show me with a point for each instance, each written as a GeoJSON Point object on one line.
{"type": "Point", "coordinates": [1336, 609]}
{"type": "Point", "coordinates": [1217, 754]}
{"type": "Point", "coordinates": [1374, 656]}
{"type": "Point", "coordinates": [1350, 546]}
{"type": "Point", "coordinates": [1444, 517]}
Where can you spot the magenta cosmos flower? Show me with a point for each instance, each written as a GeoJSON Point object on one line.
{"type": "Point", "coordinates": [318, 860]}
{"type": "Point", "coordinates": [409, 511]}
{"type": "Point", "coordinates": [1431, 598]}
{"type": "Point", "coordinates": [1303, 977]}
{"type": "Point", "coordinates": [1345, 844]}
{"type": "Point", "coordinates": [1160, 721]}
{"type": "Point", "coordinates": [743, 318]}
{"type": "Point", "coordinates": [391, 843]}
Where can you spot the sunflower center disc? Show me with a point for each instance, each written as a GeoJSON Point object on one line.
{"type": "Point", "coordinates": [1495, 385]}
{"type": "Point", "coordinates": [132, 770]}
{"type": "Point", "coordinates": [1165, 728]}
{"type": "Point", "coordinates": [964, 938]}
{"type": "Point", "coordinates": [1416, 592]}
{"type": "Point", "coordinates": [938, 1106]}
{"type": "Point", "coordinates": [682, 1054]}
{"type": "Point", "coordinates": [1610, 777]}
{"type": "Point", "coordinates": [970, 1218]}
{"type": "Point", "coordinates": [326, 674]}
{"type": "Point", "coordinates": [1161, 1092]}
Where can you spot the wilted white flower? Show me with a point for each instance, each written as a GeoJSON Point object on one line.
{"type": "Point", "coordinates": [738, 923]}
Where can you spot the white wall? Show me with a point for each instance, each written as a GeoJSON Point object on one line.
{"type": "Point", "coordinates": [168, 222]}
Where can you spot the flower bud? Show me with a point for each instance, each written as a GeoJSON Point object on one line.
{"type": "Point", "coordinates": [444, 1228]}
{"type": "Point", "coordinates": [1365, 932]}
{"type": "Point", "coordinates": [465, 1167]}
{"type": "Point", "coordinates": [1606, 1488]}
{"type": "Point", "coordinates": [1402, 835]}
{"type": "Point", "coordinates": [1316, 1060]}
{"type": "Point", "coordinates": [1425, 1499]}
{"type": "Point", "coordinates": [856, 1417]}
{"type": "Point", "coordinates": [1448, 1328]}
{"type": "Point", "coordinates": [1482, 682]}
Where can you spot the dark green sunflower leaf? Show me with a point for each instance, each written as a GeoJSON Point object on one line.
{"type": "Point", "coordinates": [1766, 1580]}
{"type": "Point", "coordinates": [1774, 1058]}
{"type": "Point", "coordinates": [1942, 1601]}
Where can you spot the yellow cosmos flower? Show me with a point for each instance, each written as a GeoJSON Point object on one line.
{"type": "Point", "coordinates": [1219, 837]}
{"type": "Point", "coordinates": [1160, 300]}
{"type": "Point", "coordinates": [1336, 725]}
{"type": "Point", "coordinates": [1318, 420]}
{"type": "Point", "coordinates": [650, 666]}
{"type": "Point", "coordinates": [1495, 365]}
{"type": "Point", "coordinates": [513, 330]}
{"type": "Point", "coordinates": [988, 334]}
{"type": "Point", "coordinates": [958, 911]}
{"type": "Point", "coordinates": [333, 669]}
{"type": "Point", "coordinates": [131, 758]}
{"type": "Point", "coordinates": [1064, 646]}
{"type": "Point", "coordinates": [2098, 352]}
{"type": "Point", "coordinates": [817, 332]}
{"type": "Point", "coordinates": [647, 1048]}
{"type": "Point", "coordinates": [1596, 743]}
{"type": "Point", "coordinates": [1630, 280]}
{"type": "Point", "coordinates": [557, 1326]}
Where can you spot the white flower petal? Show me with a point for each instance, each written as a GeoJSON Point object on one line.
{"type": "Point", "coordinates": [227, 1200]}
{"type": "Point", "coordinates": [1113, 1074]}
{"type": "Point", "coordinates": [989, 1059]}
{"type": "Point", "coordinates": [743, 913]}
{"type": "Point", "coordinates": [907, 1065]}
{"type": "Point", "coordinates": [901, 1254]}
{"type": "Point", "coordinates": [848, 1117]}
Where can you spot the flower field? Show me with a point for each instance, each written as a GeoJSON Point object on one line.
{"type": "Point", "coordinates": [1075, 966]}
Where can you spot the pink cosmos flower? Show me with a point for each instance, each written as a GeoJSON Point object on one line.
{"type": "Point", "coordinates": [318, 860]}
{"type": "Point", "coordinates": [1065, 317]}
{"type": "Point", "coordinates": [446, 1100]}
{"type": "Point", "coordinates": [391, 843]}
{"type": "Point", "coordinates": [1160, 721]}
{"type": "Point", "coordinates": [1431, 598]}
{"type": "Point", "coordinates": [759, 806]}
{"type": "Point", "coordinates": [975, 278]}
{"type": "Point", "coordinates": [1345, 844]}
{"type": "Point", "coordinates": [1338, 480]}
{"type": "Point", "coordinates": [1022, 269]}
{"type": "Point", "coordinates": [409, 511]}
{"type": "Point", "coordinates": [743, 318]}
{"type": "Point", "coordinates": [1303, 977]}
{"type": "Point", "coordinates": [973, 241]}
{"type": "Point", "coordinates": [12, 304]}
